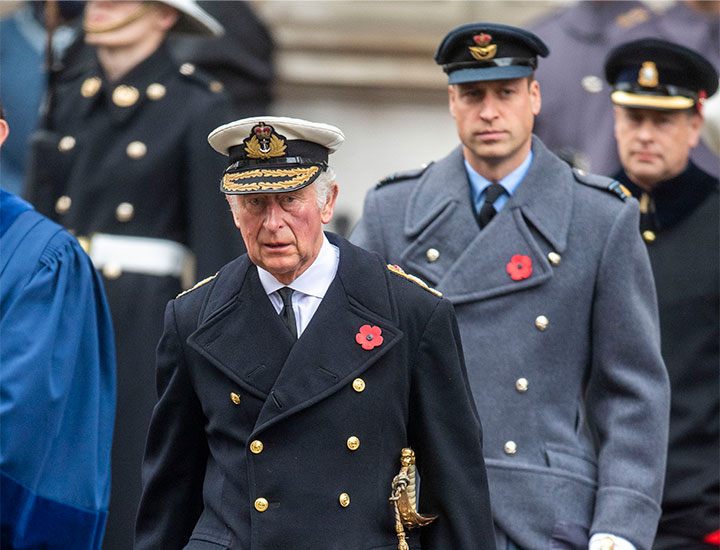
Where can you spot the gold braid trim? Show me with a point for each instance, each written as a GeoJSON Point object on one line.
{"type": "Point", "coordinates": [297, 176]}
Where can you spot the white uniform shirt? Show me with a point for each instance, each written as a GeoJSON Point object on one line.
{"type": "Point", "coordinates": [310, 287]}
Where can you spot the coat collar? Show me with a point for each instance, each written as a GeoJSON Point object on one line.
{"type": "Point", "coordinates": [155, 69]}
{"type": "Point", "coordinates": [241, 334]}
{"type": "Point", "coordinates": [439, 214]}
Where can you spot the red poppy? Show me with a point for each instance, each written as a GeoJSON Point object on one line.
{"type": "Point", "coordinates": [713, 538]}
{"type": "Point", "coordinates": [369, 337]}
{"type": "Point", "coordinates": [519, 268]}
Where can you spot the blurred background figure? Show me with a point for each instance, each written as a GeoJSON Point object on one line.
{"type": "Point", "coordinates": [23, 43]}
{"type": "Point", "coordinates": [658, 94]}
{"type": "Point", "coordinates": [57, 385]}
{"type": "Point", "coordinates": [121, 159]}
{"type": "Point", "coordinates": [576, 120]}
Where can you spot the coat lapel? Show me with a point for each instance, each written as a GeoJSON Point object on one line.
{"type": "Point", "coordinates": [327, 358]}
{"type": "Point", "coordinates": [473, 264]}
{"type": "Point", "coordinates": [243, 335]}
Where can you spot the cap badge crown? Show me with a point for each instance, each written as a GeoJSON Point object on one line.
{"type": "Point", "coordinates": [483, 50]}
{"type": "Point", "coordinates": [264, 143]}
{"type": "Point", "coordinates": [648, 75]}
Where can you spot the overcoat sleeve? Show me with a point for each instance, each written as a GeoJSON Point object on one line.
{"type": "Point", "coordinates": [447, 437]}
{"type": "Point", "coordinates": [57, 393]}
{"type": "Point", "coordinates": [176, 451]}
{"type": "Point", "coordinates": [628, 390]}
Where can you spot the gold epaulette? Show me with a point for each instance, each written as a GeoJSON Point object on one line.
{"type": "Point", "coordinates": [417, 280]}
{"type": "Point", "coordinates": [197, 285]}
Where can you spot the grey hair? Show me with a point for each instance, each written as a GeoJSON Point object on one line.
{"type": "Point", "coordinates": [323, 185]}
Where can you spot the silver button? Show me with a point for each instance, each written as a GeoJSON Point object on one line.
{"type": "Point", "coordinates": [432, 254]}
{"type": "Point", "coordinates": [554, 258]}
{"type": "Point", "coordinates": [510, 448]}
{"type": "Point", "coordinates": [187, 69]}
{"type": "Point", "coordinates": [124, 212]}
{"type": "Point", "coordinates": [136, 149]}
{"type": "Point", "coordinates": [63, 204]}
{"type": "Point", "coordinates": [66, 144]}
{"type": "Point", "coordinates": [541, 322]}
{"type": "Point", "coordinates": [521, 385]}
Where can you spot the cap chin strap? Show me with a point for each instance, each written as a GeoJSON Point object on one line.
{"type": "Point", "coordinates": [144, 8]}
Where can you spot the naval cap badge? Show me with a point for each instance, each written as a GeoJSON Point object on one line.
{"type": "Point", "coordinates": [264, 142]}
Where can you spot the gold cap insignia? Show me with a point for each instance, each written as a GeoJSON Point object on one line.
{"type": "Point", "coordinates": [264, 142]}
{"type": "Point", "coordinates": [125, 96]}
{"type": "Point", "coordinates": [483, 50]}
{"type": "Point", "coordinates": [90, 86]}
{"type": "Point", "coordinates": [648, 75]}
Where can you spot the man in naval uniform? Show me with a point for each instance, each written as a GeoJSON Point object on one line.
{"type": "Point", "coordinates": [555, 303]}
{"type": "Point", "coordinates": [658, 94]}
{"type": "Point", "coordinates": [290, 382]}
{"type": "Point", "coordinates": [124, 164]}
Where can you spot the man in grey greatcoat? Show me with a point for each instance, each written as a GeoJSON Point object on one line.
{"type": "Point", "coordinates": [555, 300]}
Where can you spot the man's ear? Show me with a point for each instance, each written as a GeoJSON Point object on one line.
{"type": "Point", "coordinates": [326, 212]}
{"type": "Point", "coordinates": [4, 131]}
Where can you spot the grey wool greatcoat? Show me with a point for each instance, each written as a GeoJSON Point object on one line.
{"type": "Point", "coordinates": [565, 364]}
{"type": "Point", "coordinates": [246, 412]}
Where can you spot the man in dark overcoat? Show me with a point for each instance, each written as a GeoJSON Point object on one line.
{"type": "Point", "coordinates": [555, 302]}
{"type": "Point", "coordinates": [290, 382]}
{"type": "Point", "coordinates": [123, 163]}
{"type": "Point", "coordinates": [659, 87]}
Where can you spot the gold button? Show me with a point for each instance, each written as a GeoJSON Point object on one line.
{"type": "Point", "coordinates": [90, 86]}
{"type": "Point", "coordinates": [125, 96]}
{"type": "Point", "coordinates": [432, 254]}
{"type": "Point", "coordinates": [541, 322]}
{"type": "Point", "coordinates": [606, 543]}
{"type": "Point", "coordinates": [124, 212]}
{"type": "Point", "coordinates": [187, 69]}
{"type": "Point", "coordinates": [344, 500]}
{"type": "Point", "coordinates": [235, 398]}
{"type": "Point", "coordinates": [216, 86]}
{"type": "Point", "coordinates": [261, 504]}
{"type": "Point", "coordinates": [66, 144]}
{"type": "Point", "coordinates": [256, 447]}
{"type": "Point", "coordinates": [521, 385]}
{"type": "Point", "coordinates": [353, 443]}
{"type": "Point", "coordinates": [554, 258]}
{"type": "Point", "coordinates": [112, 270]}
{"type": "Point", "coordinates": [136, 149]}
{"type": "Point", "coordinates": [510, 448]}
{"type": "Point", "coordinates": [63, 204]}
{"type": "Point", "coordinates": [649, 236]}
{"type": "Point", "coordinates": [155, 91]}
{"type": "Point", "coordinates": [358, 384]}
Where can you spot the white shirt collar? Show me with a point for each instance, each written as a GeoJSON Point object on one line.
{"type": "Point", "coordinates": [315, 280]}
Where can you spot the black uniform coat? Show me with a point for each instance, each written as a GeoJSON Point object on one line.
{"type": "Point", "coordinates": [85, 154]}
{"type": "Point", "coordinates": [685, 258]}
{"type": "Point", "coordinates": [229, 375]}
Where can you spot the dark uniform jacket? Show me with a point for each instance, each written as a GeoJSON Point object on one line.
{"type": "Point", "coordinates": [246, 412]}
{"type": "Point", "coordinates": [684, 251]}
{"type": "Point", "coordinates": [131, 159]}
{"type": "Point", "coordinates": [564, 361]}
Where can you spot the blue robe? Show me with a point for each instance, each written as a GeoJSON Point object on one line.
{"type": "Point", "coordinates": [57, 386]}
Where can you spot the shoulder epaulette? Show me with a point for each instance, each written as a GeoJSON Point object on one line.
{"type": "Point", "coordinates": [602, 182]}
{"type": "Point", "coordinates": [417, 280]}
{"type": "Point", "coordinates": [404, 175]}
{"type": "Point", "coordinates": [197, 285]}
{"type": "Point", "coordinates": [193, 73]}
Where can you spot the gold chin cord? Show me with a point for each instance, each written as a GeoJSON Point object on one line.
{"type": "Point", "coordinates": [404, 499]}
{"type": "Point", "coordinates": [142, 9]}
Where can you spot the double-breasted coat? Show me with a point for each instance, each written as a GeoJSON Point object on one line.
{"type": "Point", "coordinates": [128, 160]}
{"type": "Point", "coordinates": [250, 444]}
{"type": "Point", "coordinates": [564, 362]}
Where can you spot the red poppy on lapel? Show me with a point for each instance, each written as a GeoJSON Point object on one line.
{"type": "Point", "coordinates": [369, 337]}
{"type": "Point", "coordinates": [520, 267]}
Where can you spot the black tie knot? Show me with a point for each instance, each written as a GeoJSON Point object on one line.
{"type": "Point", "coordinates": [487, 211]}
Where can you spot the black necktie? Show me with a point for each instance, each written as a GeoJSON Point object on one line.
{"type": "Point", "coordinates": [487, 211]}
{"type": "Point", "coordinates": [287, 314]}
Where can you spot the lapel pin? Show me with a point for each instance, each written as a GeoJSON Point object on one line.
{"type": "Point", "coordinates": [519, 267]}
{"type": "Point", "coordinates": [369, 337]}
